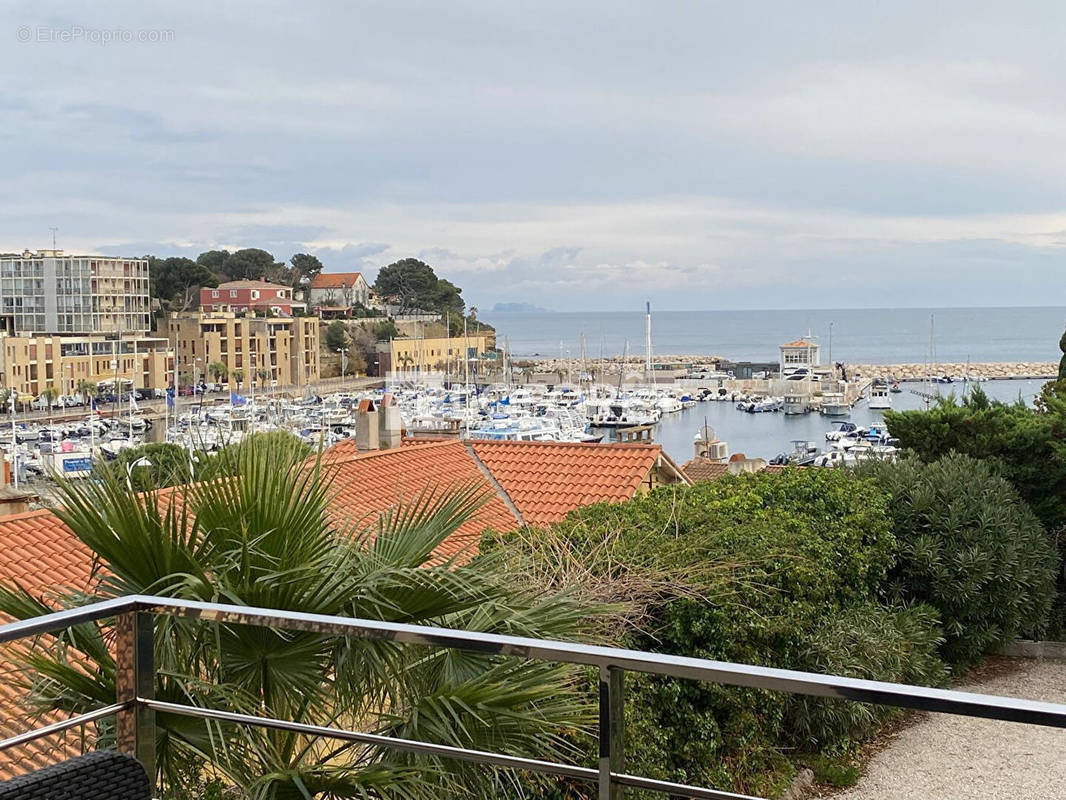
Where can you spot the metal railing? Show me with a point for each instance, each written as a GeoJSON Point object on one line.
{"type": "Point", "coordinates": [135, 705]}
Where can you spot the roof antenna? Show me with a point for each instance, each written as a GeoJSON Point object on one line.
{"type": "Point", "coordinates": [53, 230]}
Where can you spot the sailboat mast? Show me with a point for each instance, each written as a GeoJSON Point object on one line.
{"type": "Point", "coordinates": [647, 341]}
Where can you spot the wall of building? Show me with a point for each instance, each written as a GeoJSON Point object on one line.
{"type": "Point", "coordinates": [339, 296]}
{"type": "Point", "coordinates": [29, 364]}
{"type": "Point", "coordinates": [285, 349]}
{"type": "Point", "coordinates": [431, 354]}
{"type": "Point", "coordinates": [51, 292]}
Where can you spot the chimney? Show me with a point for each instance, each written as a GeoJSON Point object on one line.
{"type": "Point", "coordinates": [390, 423]}
{"type": "Point", "coordinates": [366, 426]}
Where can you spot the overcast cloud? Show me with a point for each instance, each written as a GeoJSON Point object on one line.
{"type": "Point", "coordinates": [570, 155]}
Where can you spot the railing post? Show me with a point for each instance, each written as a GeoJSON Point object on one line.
{"type": "Point", "coordinates": [612, 716]}
{"type": "Point", "coordinates": [135, 678]}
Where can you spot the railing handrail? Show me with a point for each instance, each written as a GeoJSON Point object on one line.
{"type": "Point", "coordinates": [924, 698]}
{"type": "Point", "coordinates": [136, 697]}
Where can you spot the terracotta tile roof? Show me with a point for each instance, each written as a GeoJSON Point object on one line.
{"type": "Point", "coordinates": [40, 553]}
{"type": "Point", "coordinates": [335, 280]}
{"type": "Point", "coordinates": [368, 484]}
{"type": "Point", "coordinates": [704, 469]}
{"type": "Point", "coordinates": [801, 343]}
{"type": "Point", "coordinates": [547, 480]}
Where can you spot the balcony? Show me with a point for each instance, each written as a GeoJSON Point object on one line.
{"type": "Point", "coordinates": [134, 620]}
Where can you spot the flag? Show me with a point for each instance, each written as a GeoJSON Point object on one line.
{"type": "Point", "coordinates": [237, 399]}
{"type": "Point", "coordinates": [170, 398]}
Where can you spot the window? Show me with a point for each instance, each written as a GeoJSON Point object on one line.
{"type": "Point", "coordinates": [232, 293]}
{"type": "Point", "coordinates": [214, 292]}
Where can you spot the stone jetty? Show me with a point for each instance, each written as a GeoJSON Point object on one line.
{"type": "Point", "coordinates": [552, 367]}
{"type": "Point", "coordinates": [993, 371]}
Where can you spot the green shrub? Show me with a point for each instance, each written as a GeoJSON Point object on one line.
{"type": "Point", "coordinates": [742, 569]}
{"type": "Point", "coordinates": [872, 642]}
{"type": "Point", "coordinates": [1026, 445]}
{"type": "Point", "coordinates": [969, 547]}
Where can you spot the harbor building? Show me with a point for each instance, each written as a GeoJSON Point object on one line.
{"type": "Point", "coordinates": [30, 364]}
{"type": "Point", "coordinates": [803, 353]}
{"type": "Point", "coordinates": [243, 296]}
{"type": "Point", "coordinates": [336, 293]}
{"type": "Point", "coordinates": [48, 291]}
{"type": "Point", "coordinates": [274, 351]}
{"type": "Point", "coordinates": [437, 354]}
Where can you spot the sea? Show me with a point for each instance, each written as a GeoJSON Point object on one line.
{"type": "Point", "coordinates": [859, 336]}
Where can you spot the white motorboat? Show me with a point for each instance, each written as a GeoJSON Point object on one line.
{"type": "Point", "coordinates": [835, 405]}
{"type": "Point", "coordinates": [880, 395]}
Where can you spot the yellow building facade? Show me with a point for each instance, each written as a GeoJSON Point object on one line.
{"type": "Point", "coordinates": [274, 351]}
{"type": "Point", "coordinates": [438, 354]}
{"type": "Point", "coordinates": [29, 364]}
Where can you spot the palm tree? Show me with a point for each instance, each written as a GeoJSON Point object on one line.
{"type": "Point", "coordinates": [238, 377]}
{"type": "Point", "coordinates": [218, 371]}
{"type": "Point", "coordinates": [263, 538]}
{"type": "Point", "coordinates": [88, 390]}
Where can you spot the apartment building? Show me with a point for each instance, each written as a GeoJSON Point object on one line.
{"type": "Point", "coordinates": [67, 318]}
{"type": "Point", "coordinates": [51, 292]}
{"type": "Point", "coordinates": [30, 364]}
{"type": "Point", "coordinates": [275, 351]}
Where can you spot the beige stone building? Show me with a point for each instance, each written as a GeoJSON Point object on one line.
{"type": "Point", "coordinates": [437, 354]}
{"type": "Point", "coordinates": [276, 351]}
{"type": "Point", "coordinates": [29, 364]}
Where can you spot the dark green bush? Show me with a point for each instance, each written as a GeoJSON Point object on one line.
{"type": "Point", "coordinates": [898, 645]}
{"type": "Point", "coordinates": [969, 547]}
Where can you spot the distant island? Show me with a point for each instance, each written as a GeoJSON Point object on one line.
{"type": "Point", "coordinates": [514, 308]}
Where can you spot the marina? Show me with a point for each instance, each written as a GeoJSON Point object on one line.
{"type": "Point", "coordinates": [770, 428]}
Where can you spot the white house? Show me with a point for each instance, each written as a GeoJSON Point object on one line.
{"type": "Point", "coordinates": [803, 353]}
{"type": "Point", "coordinates": [337, 291]}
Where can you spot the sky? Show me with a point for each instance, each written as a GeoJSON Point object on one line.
{"type": "Point", "coordinates": [573, 156]}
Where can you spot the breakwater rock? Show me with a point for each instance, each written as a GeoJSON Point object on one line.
{"type": "Point", "coordinates": [993, 371]}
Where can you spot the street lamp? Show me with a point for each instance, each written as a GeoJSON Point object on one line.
{"type": "Point", "coordinates": [344, 361]}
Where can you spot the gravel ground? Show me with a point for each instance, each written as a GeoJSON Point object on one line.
{"type": "Point", "coordinates": [948, 757]}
